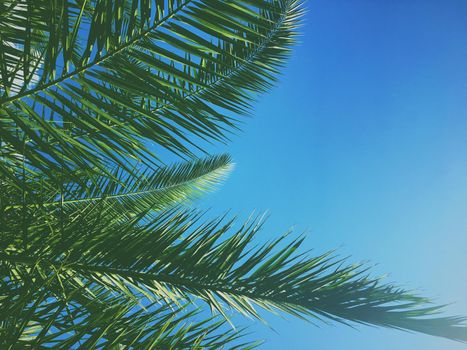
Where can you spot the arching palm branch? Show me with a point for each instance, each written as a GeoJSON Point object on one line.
{"type": "Point", "coordinates": [97, 248]}
{"type": "Point", "coordinates": [125, 72]}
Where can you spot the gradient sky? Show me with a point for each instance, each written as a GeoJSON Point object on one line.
{"type": "Point", "coordinates": [364, 144]}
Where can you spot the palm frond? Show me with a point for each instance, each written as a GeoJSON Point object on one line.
{"type": "Point", "coordinates": [176, 259]}
{"type": "Point", "coordinates": [170, 74]}
{"type": "Point", "coordinates": [127, 193]}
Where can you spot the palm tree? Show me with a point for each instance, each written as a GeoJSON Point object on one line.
{"type": "Point", "coordinates": [98, 247]}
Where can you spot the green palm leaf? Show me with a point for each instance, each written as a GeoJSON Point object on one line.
{"type": "Point", "coordinates": [173, 258]}
{"type": "Point", "coordinates": [171, 71]}
{"type": "Point", "coordinates": [134, 192]}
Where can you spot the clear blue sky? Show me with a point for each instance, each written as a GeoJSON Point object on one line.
{"type": "Point", "coordinates": [364, 144]}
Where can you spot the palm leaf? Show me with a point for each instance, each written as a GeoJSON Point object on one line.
{"type": "Point", "coordinates": [164, 74]}
{"type": "Point", "coordinates": [174, 258]}
{"type": "Point", "coordinates": [130, 193]}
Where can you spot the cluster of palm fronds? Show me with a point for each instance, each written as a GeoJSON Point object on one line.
{"type": "Point", "coordinates": [97, 246]}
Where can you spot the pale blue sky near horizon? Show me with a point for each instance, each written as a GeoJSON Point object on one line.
{"type": "Point", "coordinates": [363, 144]}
